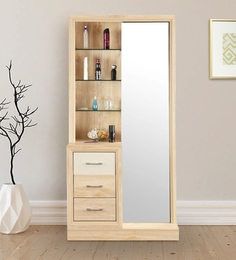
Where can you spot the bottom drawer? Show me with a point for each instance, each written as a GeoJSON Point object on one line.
{"type": "Point", "coordinates": [94, 209]}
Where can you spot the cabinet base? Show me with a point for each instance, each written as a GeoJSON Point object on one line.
{"type": "Point", "coordinates": [152, 232]}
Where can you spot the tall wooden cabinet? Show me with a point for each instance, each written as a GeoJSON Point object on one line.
{"type": "Point", "coordinates": [123, 190]}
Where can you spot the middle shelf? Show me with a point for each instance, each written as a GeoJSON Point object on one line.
{"type": "Point", "coordinates": [107, 59]}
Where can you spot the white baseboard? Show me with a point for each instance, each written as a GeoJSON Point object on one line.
{"type": "Point", "coordinates": [206, 212]}
{"type": "Point", "coordinates": [48, 212]}
{"type": "Point", "coordinates": [188, 212]}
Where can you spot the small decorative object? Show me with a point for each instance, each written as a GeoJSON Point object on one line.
{"type": "Point", "coordinates": [112, 133]}
{"type": "Point", "coordinates": [106, 39]}
{"type": "Point", "coordinates": [15, 213]}
{"type": "Point", "coordinates": [113, 72]}
{"type": "Point", "coordinates": [108, 104]}
{"type": "Point", "coordinates": [102, 135]}
{"type": "Point", "coordinates": [95, 104]}
{"type": "Point", "coordinates": [222, 49]}
{"type": "Point", "coordinates": [98, 72]}
{"type": "Point", "coordinates": [93, 134]}
{"type": "Point", "coordinates": [98, 134]}
{"type": "Point", "coordinates": [85, 35]}
{"type": "Point", "coordinates": [85, 68]}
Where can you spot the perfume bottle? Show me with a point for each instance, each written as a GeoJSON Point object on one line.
{"type": "Point", "coordinates": [85, 35]}
{"type": "Point", "coordinates": [112, 133]}
{"type": "Point", "coordinates": [98, 72]}
{"type": "Point", "coordinates": [95, 104]}
{"type": "Point", "coordinates": [106, 39]}
{"type": "Point", "coordinates": [85, 68]}
{"type": "Point", "coordinates": [108, 105]}
{"type": "Point", "coordinates": [113, 72]}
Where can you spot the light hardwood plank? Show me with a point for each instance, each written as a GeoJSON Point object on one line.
{"type": "Point", "coordinates": [49, 243]}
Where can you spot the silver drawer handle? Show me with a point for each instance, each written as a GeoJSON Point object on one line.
{"type": "Point", "coordinates": [96, 163]}
{"type": "Point", "coordinates": [94, 186]}
{"type": "Point", "coordinates": [89, 209]}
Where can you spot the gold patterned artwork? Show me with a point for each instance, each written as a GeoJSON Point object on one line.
{"type": "Point", "coordinates": [229, 48]}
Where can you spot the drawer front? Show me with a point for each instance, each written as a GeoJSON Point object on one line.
{"type": "Point", "coordinates": [94, 209]}
{"type": "Point", "coordinates": [94, 186]}
{"type": "Point", "coordinates": [94, 163]}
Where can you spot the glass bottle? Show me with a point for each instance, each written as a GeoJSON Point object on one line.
{"type": "Point", "coordinates": [95, 104]}
{"type": "Point", "coordinates": [112, 133]}
{"type": "Point", "coordinates": [85, 35]}
{"type": "Point", "coordinates": [108, 105]}
{"type": "Point", "coordinates": [106, 39]}
{"type": "Point", "coordinates": [113, 72]}
{"type": "Point", "coordinates": [98, 72]}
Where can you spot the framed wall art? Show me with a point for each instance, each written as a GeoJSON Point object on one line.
{"type": "Point", "coordinates": [222, 49]}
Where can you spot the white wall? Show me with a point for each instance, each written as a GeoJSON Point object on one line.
{"type": "Point", "coordinates": [35, 35]}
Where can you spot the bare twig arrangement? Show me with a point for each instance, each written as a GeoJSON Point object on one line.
{"type": "Point", "coordinates": [18, 123]}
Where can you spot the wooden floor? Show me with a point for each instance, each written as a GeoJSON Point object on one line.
{"type": "Point", "coordinates": [49, 242]}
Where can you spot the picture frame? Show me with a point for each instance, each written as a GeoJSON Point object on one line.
{"type": "Point", "coordinates": [222, 48]}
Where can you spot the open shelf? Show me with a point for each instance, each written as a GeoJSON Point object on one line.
{"type": "Point", "coordinates": [104, 89]}
{"type": "Point", "coordinates": [107, 59]}
{"type": "Point", "coordinates": [95, 34]}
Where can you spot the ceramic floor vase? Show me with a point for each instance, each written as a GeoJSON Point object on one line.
{"type": "Point", "coordinates": [15, 212]}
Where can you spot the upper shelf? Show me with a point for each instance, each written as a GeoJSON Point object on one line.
{"type": "Point", "coordinates": [95, 34]}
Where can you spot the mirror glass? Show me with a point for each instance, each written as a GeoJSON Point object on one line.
{"type": "Point", "coordinates": [145, 122]}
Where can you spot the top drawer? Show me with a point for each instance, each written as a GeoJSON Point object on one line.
{"type": "Point", "coordinates": [94, 163]}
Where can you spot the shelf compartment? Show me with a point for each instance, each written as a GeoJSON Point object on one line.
{"type": "Point", "coordinates": [85, 93]}
{"type": "Point", "coordinates": [95, 32]}
{"type": "Point", "coordinates": [107, 59]}
{"type": "Point", "coordinates": [87, 121]}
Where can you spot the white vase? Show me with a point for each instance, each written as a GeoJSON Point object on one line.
{"type": "Point", "coordinates": [15, 212]}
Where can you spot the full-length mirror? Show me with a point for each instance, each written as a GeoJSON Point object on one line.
{"type": "Point", "coordinates": [145, 122]}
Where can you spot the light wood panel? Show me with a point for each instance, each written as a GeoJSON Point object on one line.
{"type": "Point", "coordinates": [72, 93]}
{"type": "Point", "coordinates": [94, 163]}
{"type": "Point", "coordinates": [83, 146]}
{"type": "Point", "coordinates": [81, 122]}
{"type": "Point", "coordinates": [94, 209]}
{"type": "Point", "coordinates": [87, 120]}
{"type": "Point", "coordinates": [86, 90]}
{"type": "Point", "coordinates": [94, 186]}
{"type": "Point", "coordinates": [107, 59]}
{"type": "Point", "coordinates": [95, 31]}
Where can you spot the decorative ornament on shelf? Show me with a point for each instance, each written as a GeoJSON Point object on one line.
{"type": "Point", "coordinates": [15, 213]}
{"type": "Point", "coordinates": [98, 134]}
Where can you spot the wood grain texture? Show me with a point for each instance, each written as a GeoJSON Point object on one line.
{"type": "Point", "coordinates": [81, 94]}
{"type": "Point", "coordinates": [94, 186]}
{"type": "Point", "coordinates": [95, 32]}
{"type": "Point", "coordinates": [85, 121]}
{"type": "Point", "coordinates": [107, 59]}
{"type": "Point", "coordinates": [86, 90]}
{"type": "Point", "coordinates": [88, 163]}
{"type": "Point", "coordinates": [94, 209]}
{"type": "Point", "coordinates": [49, 243]}
{"type": "Point", "coordinates": [71, 94]}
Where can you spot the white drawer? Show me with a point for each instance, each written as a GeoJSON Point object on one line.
{"type": "Point", "coordinates": [94, 163]}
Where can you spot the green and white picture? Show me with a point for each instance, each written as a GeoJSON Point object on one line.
{"type": "Point", "coordinates": [222, 49]}
{"type": "Point", "coordinates": [229, 48]}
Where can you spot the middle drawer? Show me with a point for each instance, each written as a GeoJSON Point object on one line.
{"type": "Point", "coordinates": [94, 186]}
